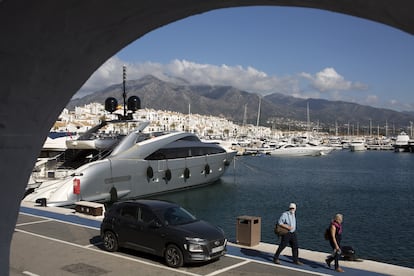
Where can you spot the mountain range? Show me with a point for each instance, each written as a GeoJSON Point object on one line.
{"type": "Point", "coordinates": [242, 106]}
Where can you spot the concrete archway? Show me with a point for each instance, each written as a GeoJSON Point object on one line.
{"type": "Point", "coordinates": [50, 48]}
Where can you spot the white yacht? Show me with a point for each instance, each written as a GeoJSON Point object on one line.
{"type": "Point", "coordinates": [53, 148]}
{"type": "Point", "coordinates": [104, 168]}
{"type": "Point", "coordinates": [402, 143]}
{"type": "Point", "coordinates": [295, 150]}
{"type": "Point", "coordinates": [324, 150]}
{"type": "Point", "coordinates": [56, 142]}
{"type": "Point", "coordinates": [117, 160]}
{"type": "Point", "coordinates": [357, 144]}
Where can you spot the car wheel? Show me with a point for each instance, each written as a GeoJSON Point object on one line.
{"type": "Point", "coordinates": [173, 256]}
{"type": "Point", "coordinates": [110, 241]}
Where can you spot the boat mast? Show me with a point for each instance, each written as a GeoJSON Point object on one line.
{"type": "Point", "coordinates": [336, 128]}
{"type": "Point", "coordinates": [386, 128]}
{"type": "Point", "coordinates": [308, 118]}
{"type": "Point", "coordinates": [189, 116]}
{"type": "Point", "coordinates": [357, 128]}
{"type": "Point", "coordinates": [258, 111]}
{"type": "Point", "coordinates": [370, 127]}
{"type": "Point", "coordinates": [245, 115]}
{"type": "Point", "coordinates": [378, 131]}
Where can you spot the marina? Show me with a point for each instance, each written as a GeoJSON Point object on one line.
{"type": "Point", "coordinates": [251, 184]}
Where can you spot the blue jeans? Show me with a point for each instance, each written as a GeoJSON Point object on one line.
{"type": "Point", "coordinates": [292, 240]}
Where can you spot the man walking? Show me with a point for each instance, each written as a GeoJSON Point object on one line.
{"type": "Point", "coordinates": [288, 221]}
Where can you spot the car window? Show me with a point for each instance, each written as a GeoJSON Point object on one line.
{"type": "Point", "coordinates": [178, 215]}
{"type": "Point", "coordinates": [146, 215]}
{"type": "Point", "coordinates": [130, 213]}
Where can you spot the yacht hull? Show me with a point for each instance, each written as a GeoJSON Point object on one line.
{"type": "Point", "coordinates": [126, 177]}
{"type": "Point", "coordinates": [357, 147]}
{"type": "Point", "coordinates": [139, 165]}
{"type": "Point", "coordinates": [296, 151]}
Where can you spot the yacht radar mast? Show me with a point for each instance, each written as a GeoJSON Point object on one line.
{"type": "Point", "coordinates": [132, 105]}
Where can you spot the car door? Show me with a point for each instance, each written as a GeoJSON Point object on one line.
{"type": "Point", "coordinates": [152, 233]}
{"type": "Point", "coordinates": [127, 226]}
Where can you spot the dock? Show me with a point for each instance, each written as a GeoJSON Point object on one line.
{"type": "Point", "coordinates": [60, 241]}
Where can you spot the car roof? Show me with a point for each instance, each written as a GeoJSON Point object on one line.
{"type": "Point", "coordinates": [151, 203]}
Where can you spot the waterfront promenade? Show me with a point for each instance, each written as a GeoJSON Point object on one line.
{"type": "Point", "coordinates": [57, 241]}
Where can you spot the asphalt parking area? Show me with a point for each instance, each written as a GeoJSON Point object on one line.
{"type": "Point", "coordinates": [46, 246]}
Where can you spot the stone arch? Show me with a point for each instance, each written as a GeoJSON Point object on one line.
{"type": "Point", "coordinates": [50, 48]}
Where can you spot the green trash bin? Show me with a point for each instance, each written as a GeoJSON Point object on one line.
{"type": "Point", "coordinates": [248, 230]}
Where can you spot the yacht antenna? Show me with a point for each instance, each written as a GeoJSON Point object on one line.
{"type": "Point", "coordinates": [133, 103]}
{"type": "Point", "coordinates": [124, 93]}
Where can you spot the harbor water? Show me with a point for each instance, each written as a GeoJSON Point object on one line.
{"type": "Point", "coordinates": [372, 189]}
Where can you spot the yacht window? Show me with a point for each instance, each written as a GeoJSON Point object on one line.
{"type": "Point", "coordinates": [175, 153]}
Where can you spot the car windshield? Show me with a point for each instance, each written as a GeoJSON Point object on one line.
{"type": "Point", "coordinates": [177, 215]}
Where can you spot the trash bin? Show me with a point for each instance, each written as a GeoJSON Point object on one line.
{"type": "Point", "coordinates": [248, 230]}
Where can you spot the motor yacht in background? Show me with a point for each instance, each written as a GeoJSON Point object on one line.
{"type": "Point", "coordinates": [357, 144]}
{"type": "Point", "coordinates": [56, 141]}
{"type": "Point", "coordinates": [324, 150]}
{"type": "Point", "coordinates": [291, 150]}
{"type": "Point", "coordinates": [402, 143]}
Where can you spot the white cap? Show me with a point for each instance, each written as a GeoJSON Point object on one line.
{"type": "Point", "coordinates": [292, 205]}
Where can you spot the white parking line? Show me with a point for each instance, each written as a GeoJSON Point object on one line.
{"type": "Point", "coordinates": [93, 244]}
{"type": "Point", "coordinates": [29, 273]}
{"type": "Point", "coordinates": [108, 253]}
{"type": "Point", "coordinates": [34, 222]}
{"type": "Point", "coordinates": [227, 268]}
{"type": "Point", "coordinates": [272, 264]}
{"type": "Point", "coordinates": [62, 221]}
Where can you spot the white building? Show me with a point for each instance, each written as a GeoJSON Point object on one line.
{"type": "Point", "coordinates": [83, 118]}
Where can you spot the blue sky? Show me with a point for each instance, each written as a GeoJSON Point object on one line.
{"type": "Point", "coordinates": [294, 51]}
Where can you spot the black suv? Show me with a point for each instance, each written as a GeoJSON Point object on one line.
{"type": "Point", "coordinates": [163, 229]}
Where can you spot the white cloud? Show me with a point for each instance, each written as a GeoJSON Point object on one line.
{"type": "Point", "coordinates": [108, 74]}
{"type": "Point", "coordinates": [249, 78]}
{"type": "Point", "coordinates": [244, 78]}
{"type": "Point", "coordinates": [328, 80]}
{"type": "Point", "coordinates": [397, 105]}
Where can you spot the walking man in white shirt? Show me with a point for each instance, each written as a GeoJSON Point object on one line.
{"type": "Point", "coordinates": [288, 221]}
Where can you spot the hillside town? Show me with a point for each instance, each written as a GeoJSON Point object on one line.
{"type": "Point", "coordinates": [246, 138]}
{"type": "Point", "coordinates": [83, 118]}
